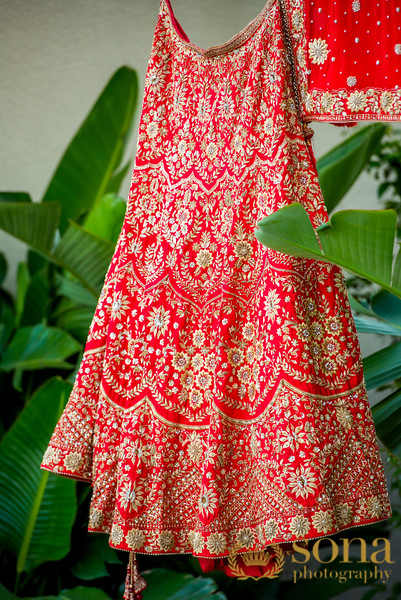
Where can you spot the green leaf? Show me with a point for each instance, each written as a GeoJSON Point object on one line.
{"type": "Point", "coordinates": [341, 166]}
{"type": "Point", "coordinates": [78, 593]}
{"type": "Point", "coordinates": [106, 218]}
{"type": "Point", "coordinates": [85, 255]}
{"type": "Point", "coordinates": [382, 366]}
{"type": "Point", "coordinates": [6, 318]}
{"type": "Point", "coordinates": [15, 197]}
{"type": "Point", "coordinates": [289, 230]}
{"type": "Point", "coordinates": [23, 280]}
{"type": "Point", "coordinates": [74, 319]}
{"type": "Point", "coordinates": [116, 180]}
{"type": "Point", "coordinates": [75, 291]}
{"type": "Point", "coordinates": [387, 307]}
{"type": "Point", "coordinates": [39, 347]}
{"type": "Point", "coordinates": [37, 298]}
{"type": "Point", "coordinates": [171, 585]}
{"type": "Point", "coordinates": [90, 558]}
{"type": "Point", "coordinates": [367, 325]}
{"type": "Point", "coordinates": [82, 593]}
{"type": "Point", "coordinates": [37, 510]}
{"type": "Point", "coordinates": [3, 267]}
{"type": "Point", "coordinates": [87, 166]}
{"type": "Point", "coordinates": [35, 224]}
{"type": "Point", "coordinates": [387, 418]}
{"type": "Point", "coordinates": [360, 241]}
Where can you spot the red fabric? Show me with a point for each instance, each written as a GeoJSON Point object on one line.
{"type": "Point", "coordinates": [220, 406]}
{"type": "Point", "coordinates": [348, 54]}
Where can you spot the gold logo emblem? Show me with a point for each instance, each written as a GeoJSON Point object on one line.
{"type": "Point", "coordinates": [272, 558]}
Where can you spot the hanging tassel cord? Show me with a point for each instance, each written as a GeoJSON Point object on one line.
{"type": "Point", "coordinates": [135, 583]}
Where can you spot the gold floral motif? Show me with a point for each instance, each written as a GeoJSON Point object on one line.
{"type": "Point", "coordinates": [117, 535]}
{"type": "Point", "coordinates": [187, 379]}
{"type": "Point", "coordinates": [216, 543]}
{"type": "Point", "coordinates": [95, 518]}
{"type": "Point", "coordinates": [235, 357]}
{"type": "Point", "coordinates": [152, 129]}
{"type": "Point", "coordinates": [297, 20]}
{"type": "Point", "coordinates": [386, 102]}
{"type": "Point", "coordinates": [248, 331]}
{"type": "Point", "coordinates": [344, 514]}
{"type": "Point", "coordinates": [356, 101]}
{"type": "Point", "coordinates": [180, 361]}
{"type": "Point", "coordinates": [318, 51]}
{"type": "Point", "coordinates": [322, 521]}
{"type": "Point", "coordinates": [272, 304]}
{"type": "Point", "coordinates": [197, 541]}
{"type": "Point", "coordinates": [299, 526]}
{"type": "Point", "coordinates": [159, 318]}
{"type": "Point", "coordinates": [204, 258]}
{"type": "Point", "coordinates": [302, 482]}
{"type": "Point", "coordinates": [374, 507]}
{"type": "Point", "coordinates": [271, 529]}
{"type": "Point", "coordinates": [135, 539]}
{"type": "Point", "coordinates": [166, 541]}
{"type": "Point", "coordinates": [195, 448]}
{"type": "Point", "coordinates": [243, 250]}
{"type": "Point", "coordinates": [131, 495]}
{"type": "Point", "coordinates": [245, 538]}
{"type": "Point", "coordinates": [344, 417]}
{"type": "Point", "coordinates": [73, 461]}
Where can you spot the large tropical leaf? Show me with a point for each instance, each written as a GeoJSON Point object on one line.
{"type": "Point", "coordinates": [90, 558]}
{"type": "Point", "coordinates": [106, 218]}
{"type": "Point", "coordinates": [78, 593]}
{"type": "Point", "coordinates": [360, 241]}
{"type": "Point", "coordinates": [33, 223]}
{"type": "Point", "coordinates": [85, 255]}
{"type": "Point", "coordinates": [37, 509]}
{"type": "Point", "coordinates": [340, 167]}
{"type": "Point", "coordinates": [387, 418]}
{"type": "Point", "coordinates": [367, 325]}
{"type": "Point", "coordinates": [382, 366]}
{"type": "Point", "coordinates": [171, 585]}
{"type": "Point", "coordinates": [92, 158]}
{"type": "Point", "coordinates": [39, 347]}
{"type": "Point", "coordinates": [15, 197]}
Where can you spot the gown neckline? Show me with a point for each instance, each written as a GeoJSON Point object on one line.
{"type": "Point", "coordinates": [235, 42]}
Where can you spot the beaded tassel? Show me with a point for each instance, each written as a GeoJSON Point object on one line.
{"type": "Point", "coordinates": [134, 581]}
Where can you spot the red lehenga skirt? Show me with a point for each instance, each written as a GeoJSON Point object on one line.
{"type": "Point", "coordinates": [220, 408]}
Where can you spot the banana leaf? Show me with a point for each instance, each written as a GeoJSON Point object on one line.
{"type": "Point", "coordinates": [78, 593]}
{"type": "Point", "coordinates": [383, 366]}
{"type": "Point", "coordinates": [73, 290]}
{"type": "Point", "coordinates": [341, 166]}
{"type": "Point", "coordinates": [92, 555]}
{"type": "Point", "coordinates": [360, 241]}
{"type": "Point", "coordinates": [80, 252]}
{"type": "Point", "coordinates": [171, 585]}
{"type": "Point", "coordinates": [37, 509]}
{"type": "Point", "coordinates": [85, 255]}
{"type": "Point", "coordinates": [39, 347]}
{"type": "Point", "coordinates": [367, 325]}
{"type": "Point", "coordinates": [93, 157]}
{"type": "Point", "coordinates": [15, 197]}
{"type": "Point", "coordinates": [387, 418]}
{"type": "Point", "coordinates": [3, 267]}
{"type": "Point", "coordinates": [33, 223]}
{"type": "Point", "coordinates": [106, 218]}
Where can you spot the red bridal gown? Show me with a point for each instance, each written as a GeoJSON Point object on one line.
{"type": "Point", "coordinates": [220, 406]}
